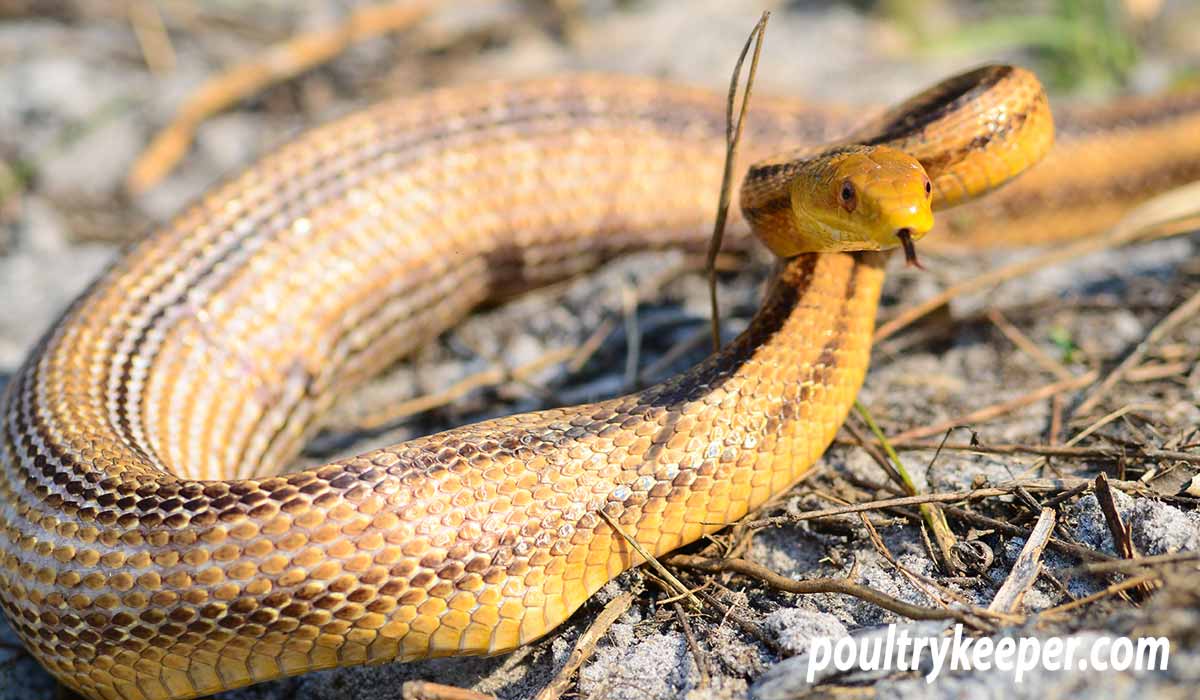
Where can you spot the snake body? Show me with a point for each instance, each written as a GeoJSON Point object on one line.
{"type": "Point", "coordinates": [149, 547]}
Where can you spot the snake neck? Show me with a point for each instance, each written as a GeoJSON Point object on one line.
{"type": "Point", "coordinates": [772, 399]}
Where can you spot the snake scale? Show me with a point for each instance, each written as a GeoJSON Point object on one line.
{"type": "Point", "coordinates": [150, 546]}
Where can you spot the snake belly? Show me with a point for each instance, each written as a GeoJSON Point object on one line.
{"type": "Point", "coordinates": [149, 546]}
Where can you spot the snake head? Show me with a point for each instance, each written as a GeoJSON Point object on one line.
{"type": "Point", "coordinates": [862, 198]}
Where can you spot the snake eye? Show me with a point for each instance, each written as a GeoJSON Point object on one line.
{"type": "Point", "coordinates": [928, 188]}
{"type": "Point", "coordinates": [849, 196]}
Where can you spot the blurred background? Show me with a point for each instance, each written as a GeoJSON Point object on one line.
{"type": "Point", "coordinates": [114, 114]}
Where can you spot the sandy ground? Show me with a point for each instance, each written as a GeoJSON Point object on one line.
{"type": "Point", "coordinates": [77, 104]}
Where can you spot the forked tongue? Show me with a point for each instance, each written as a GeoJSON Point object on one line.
{"type": "Point", "coordinates": [910, 250]}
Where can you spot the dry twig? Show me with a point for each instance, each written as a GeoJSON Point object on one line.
{"type": "Point", "coordinates": [1027, 345]}
{"type": "Point", "coordinates": [1189, 309]}
{"type": "Point", "coordinates": [819, 585]}
{"type": "Point", "coordinates": [748, 626]}
{"type": "Point", "coordinates": [1106, 453]}
{"type": "Point", "coordinates": [573, 358]}
{"type": "Point", "coordinates": [1141, 565]}
{"type": "Point", "coordinates": [934, 590]}
{"type": "Point", "coordinates": [1114, 589]}
{"type": "Point", "coordinates": [1027, 566]}
{"type": "Point", "coordinates": [279, 62]}
{"type": "Point", "coordinates": [697, 653]}
{"type": "Point", "coordinates": [650, 559]}
{"type": "Point", "coordinates": [935, 519]}
{"type": "Point", "coordinates": [1006, 528]}
{"type": "Point", "coordinates": [1121, 533]}
{"type": "Point", "coordinates": [152, 36]}
{"type": "Point", "coordinates": [1000, 409]}
{"type": "Point", "coordinates": [493, 377]}
{"type": "Point", "coordinates": [1003, 489]}
{"type": "Point", "coordinates": [585, 645]}
{"type": "Point", "coordinates": [425, 690]}
{"type": "Point", "coordinates": [733, 134]}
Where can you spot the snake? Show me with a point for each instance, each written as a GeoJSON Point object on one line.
{"type": "Point", "coordinates": [152, 543]}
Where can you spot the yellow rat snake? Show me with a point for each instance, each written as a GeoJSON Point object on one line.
{"type": "Point", "coordinates": [150, 546]}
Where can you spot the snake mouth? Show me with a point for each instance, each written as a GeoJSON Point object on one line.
{"type": "Point", "coordinates": [910, 250]}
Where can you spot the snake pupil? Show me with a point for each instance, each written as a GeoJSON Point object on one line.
{"type": "Point", "coordinates": [928, 188]}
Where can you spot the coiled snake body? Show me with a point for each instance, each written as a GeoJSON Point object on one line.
{"type": "Point", "coordinates": [149, 550]}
